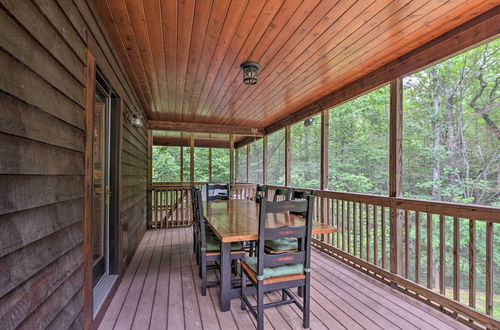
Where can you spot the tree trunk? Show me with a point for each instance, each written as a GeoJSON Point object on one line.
{"type": "Point", "coordinates": [436, 133]}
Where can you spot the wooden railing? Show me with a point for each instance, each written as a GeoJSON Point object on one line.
{"type": "Point", "coordinates": [416, 246]}
{"type": "Point", "coordinates": [413, 245]}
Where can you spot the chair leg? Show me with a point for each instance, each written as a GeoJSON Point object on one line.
{"type": "Point", "coordinates": [283, 295]}
{"type": "Point", "coordinates": [203, 271]}
{"type": "Point", "coordinates": [260, 307]}
{"type": "Point", "coordinates": [243, 291]}
{"type": "Point", "coordinates": [307, 303]}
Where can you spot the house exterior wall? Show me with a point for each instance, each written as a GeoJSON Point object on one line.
{"type": "Point", "coordinates": [43, 47]}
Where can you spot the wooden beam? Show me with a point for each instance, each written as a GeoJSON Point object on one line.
{"type": "Point", "coordinates": [264, 161]}
{"type": "Point", "coordinates": [88, 190]}
{"type": "Point", "coordinates": [481, 29]}
{"type": "Point", "coordinates": [395, 174]}
{"type": "Point", "coordinates": [191, 158]}
{"type": "Point", "coordinates": [288, 155]}
{"type": "Point", "coordinates": [204, 128]}
{"type": "Point", "coordinates": [244, 142]}
{"type": "Point", "coordinates": [184, 142]}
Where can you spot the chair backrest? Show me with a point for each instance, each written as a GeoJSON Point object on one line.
{"type": "Point", "coordinates": [302, 233]}
{"type": "Point", "coordinates": [261, 191]}
{"type": "Point", "coordinates": [282, 192]}
{"type": "Point", "coordinates": [200, 218]}
{"type": "Point", "coordinates": [214, 192]}
{"type": "Point", "coordinates": [300, 194]}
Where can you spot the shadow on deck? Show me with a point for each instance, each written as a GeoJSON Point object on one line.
{"type": "Point", "coordinates": [160, 290]}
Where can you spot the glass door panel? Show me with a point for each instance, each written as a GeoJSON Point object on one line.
{"type": "Point", "coordinates": [100, 186]}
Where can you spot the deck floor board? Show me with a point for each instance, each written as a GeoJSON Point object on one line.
{"type": "Point", "coordinates": [161, 290]}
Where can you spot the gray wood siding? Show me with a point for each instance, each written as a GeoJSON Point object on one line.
{"type": "Point", "coordinates": [42, 139]}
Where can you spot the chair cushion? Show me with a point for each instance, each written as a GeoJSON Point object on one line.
{"type": "Point", "coordinates": [292, 269]}
{"type": "Point", "coordinates": [282, 244]}
{"type": "Point", "coordinates": [213, 244]}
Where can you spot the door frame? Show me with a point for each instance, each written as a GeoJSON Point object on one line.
{"type": "Point", "coordinates": [116, 126]}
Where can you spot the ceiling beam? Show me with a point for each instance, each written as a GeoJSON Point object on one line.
{"type": "Point", "coordinates": [185, 142]}
{"type": "Point", "coordinates": [481, 29]}
{"type": "Point", "coordinates": [204, 128]}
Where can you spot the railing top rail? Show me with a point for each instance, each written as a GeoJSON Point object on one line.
{"type": "Point", "coordinates": [467, 211]}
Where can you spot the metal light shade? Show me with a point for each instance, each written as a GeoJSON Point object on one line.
{"type": "Point", "coordinates": [250, 72]}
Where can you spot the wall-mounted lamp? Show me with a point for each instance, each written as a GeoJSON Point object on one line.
{"type": "Point", "coordinates": [134, 119]}
{"type": "Point", "coordinates": [250, 72]}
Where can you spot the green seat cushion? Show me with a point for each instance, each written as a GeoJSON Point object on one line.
{"type": "Point", "coordinates": [213, 245]}
{"type": "Point", "coordinates": [292, 269]}
{"type": "Point", "coordinates": [282, 244]}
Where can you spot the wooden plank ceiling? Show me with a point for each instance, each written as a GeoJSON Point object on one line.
{"type": "Point", "coordinates": [183, 57]}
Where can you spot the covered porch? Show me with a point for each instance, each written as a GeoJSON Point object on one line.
{"type": "Point", "coordinates": [385, 112]}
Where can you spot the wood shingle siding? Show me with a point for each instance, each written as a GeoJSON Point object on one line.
{"type": "Point", "coordinates": [43, 46]}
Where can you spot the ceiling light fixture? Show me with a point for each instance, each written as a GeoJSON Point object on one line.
{"type": "Point", "coordinates": [250, 72]}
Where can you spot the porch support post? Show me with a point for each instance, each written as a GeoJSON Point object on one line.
{"type": "Point", "coordinates": [395, 173]}
{"type": "Point", "coordinates": [182, 164]}
{"type": "Point", "coordinates": [150, 175]}
{"type": "Point", "coordinates": [191, 158]}
{"type": "Point", "coordinates": [288, 162]}
{"type": "Point", "coordinates": [209, 164]}
{"type": "Point", "coordinates": [324, 165]}
{"type": "Point", "coordinates": [324, 150]}
{"type": "Point", "coordinates": [236, 162]}
{"type": "Point", "coordinates": [264, 160]}
{"type": "Point", "coordinates": [231, 159]}
{"type": "Point", "coordinates": [248, 163]}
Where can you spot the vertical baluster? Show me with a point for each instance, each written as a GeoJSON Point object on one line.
{"type": "Point", "coordinates": [417, 247]}
{"type": "Point", "coordinates": [355, 232]}
{"type": "Point", "coordinates": [456, 255]}
{"type": "Point", "coordinates": [182, 201]}
{"type": "Point", "coordinates": [334, 217]}
{"type": "Point", "coordinates": [343, 225]}
{"type": "Point", "coordinates": [367, 215]}
{"type": "Point", "coordinates": [338, 223]}
{"type": "Point", "coordinates": [429, 251]}
{"type": "Point", "coordinates": [407, 244]}
{"type": "Point", "coordinates": [442, 260]}
{"type": "Point", "coordinates": [158, 210]}
{"type": "Point", "coordinates": [348, 219]}
{"type": "Point", "coordinates": [361, 230]}
{"type": "Point", "coordinates": [472, 263]}
{"type": "Point", "coordinates": [382, 220]}
{"type": "Point", "coordinates": [489, 268]}
{"type": "Point", "coordinates": [375, 234]}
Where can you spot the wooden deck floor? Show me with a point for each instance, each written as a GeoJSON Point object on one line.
{"type": "Point", "coordinates": [160, 290]}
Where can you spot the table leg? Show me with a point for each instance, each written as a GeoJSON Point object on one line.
{"type": "Point", "coordinates": [225, 276]}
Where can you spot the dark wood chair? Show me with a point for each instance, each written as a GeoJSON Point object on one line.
{"type": "Point", "coordinates": [270, 272]}
{"type": "Point", "coordinates": [209, 247]}
{"type": "Point", "coordinates": [218, 192]}
{"type": "Point", "coordinates": [261, 191]}
{"type": "Point", "coordinates": [285, 192]}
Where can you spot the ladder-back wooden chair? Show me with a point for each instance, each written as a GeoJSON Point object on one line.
{"type": "Point", "coordinates": [218, 192]}
{"type": "Point", "coordinates": [209, 247]}
{"type": "Point", "coordinates": [270, 272]}
{"type": "Point", "coordinates": [261, 191]}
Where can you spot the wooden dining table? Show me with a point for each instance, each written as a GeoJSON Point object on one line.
{"type": "Point", "coordinates": [237, 221]}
